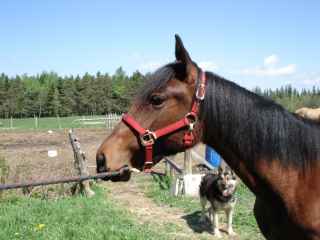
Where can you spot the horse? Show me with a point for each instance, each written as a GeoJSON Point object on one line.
{"type": "Point", "coordinates": [310, 113]}
{"type": "Point", "coordinates": [265, 144]}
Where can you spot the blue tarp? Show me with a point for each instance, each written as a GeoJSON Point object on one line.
{"type": "Point", "coordinates": [212, 157]}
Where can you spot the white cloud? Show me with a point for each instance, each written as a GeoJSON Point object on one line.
{"type": "Point", "coordinates": [154, 65]}
{"type": "Point", "coordinates": [271, 60]}
{"type": "Point", "coordinates": [270, 68]}
{"type": "Point", "coordinates": [208, 65]}
{"type": "Point", "coordinates": [150, 66]}
{"type": "Point", "coordinates": [312, 80]}
{"type": "Point", "coordinates": [270, 71]}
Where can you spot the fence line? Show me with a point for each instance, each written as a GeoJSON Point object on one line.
{"type": "Point", "coordinates": [110, 120]}
{"type": "Point", "coordinates": [61, 180]}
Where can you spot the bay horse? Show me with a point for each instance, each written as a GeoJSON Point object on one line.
{"type": "Point", "coordinates": [310, 113]}
{"type": "Point", "coordinates": [262, 142]}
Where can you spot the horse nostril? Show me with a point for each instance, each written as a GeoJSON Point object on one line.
{"type": "Point", "coordinates": [101, 163]}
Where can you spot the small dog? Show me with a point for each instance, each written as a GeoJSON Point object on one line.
{"type": "Point", "coordinates": [218, 188]}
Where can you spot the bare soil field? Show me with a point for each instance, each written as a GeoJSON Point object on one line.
{"type": "Point", "coordinates": [27, 152]}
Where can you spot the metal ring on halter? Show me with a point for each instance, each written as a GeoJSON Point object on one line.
{"type": "Point", "coordinates": [201, 90]}
{"type": "Point", "coordinates": [192, 120]}
{"type": "Point", "coordinates": [148, 138]}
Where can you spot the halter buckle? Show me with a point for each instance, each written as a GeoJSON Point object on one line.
{"type": "Point", "coordinates": [192, 119]}
{"type": "Point", "coordinates": [148, 138]}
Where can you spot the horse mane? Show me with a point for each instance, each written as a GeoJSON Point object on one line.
{"type": "Point", "coordinates": [256, 126]}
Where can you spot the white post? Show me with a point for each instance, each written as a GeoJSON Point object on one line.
{"type": "Point", "coordinates": [187, 162]}
{"type": "Point", "coordinates": [36, 122]}
{"type": "Point", "coordinates": [11, 122]}
{"type": "Point", "coordinates": [59, 122]}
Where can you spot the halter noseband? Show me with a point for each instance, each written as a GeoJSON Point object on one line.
{"type": "Point", "coordinates": [148, 138]}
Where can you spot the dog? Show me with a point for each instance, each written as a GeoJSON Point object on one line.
{"type": "Point", "coordinates": [219, 189]}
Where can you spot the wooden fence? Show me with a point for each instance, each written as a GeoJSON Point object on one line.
{"type": "Point", "coordinates": [110, 120]}
{"type": "Point", "coordinates": [83, 179]}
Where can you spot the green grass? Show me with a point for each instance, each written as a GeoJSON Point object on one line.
{"type": "Point", "coordinates": [70, 218]}
{"type": "Point", "coordinates": [46, 123]}
{"type": "Point", "coordinates": [244, 222]}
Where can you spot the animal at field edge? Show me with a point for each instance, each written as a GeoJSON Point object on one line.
{"type": "Point", "coordinates": [310, 113]}
{"type": "Point", "coordinates": [219, 190]}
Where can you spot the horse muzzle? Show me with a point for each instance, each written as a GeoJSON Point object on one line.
{"type": "Point", "coordinates": [124, 172]}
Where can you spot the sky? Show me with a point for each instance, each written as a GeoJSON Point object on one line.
{"type": "Point", "coordinates": [253, 43]}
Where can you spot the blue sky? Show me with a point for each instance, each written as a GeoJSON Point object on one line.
{"type": "Point", "coordinates": [254, 43]}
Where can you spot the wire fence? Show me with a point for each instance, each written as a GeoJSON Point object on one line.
{"type": "Point", "coordinates": [104, 121]}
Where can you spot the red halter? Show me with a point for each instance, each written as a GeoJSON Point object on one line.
{"type": "Point", "coordinates": [148, 137]}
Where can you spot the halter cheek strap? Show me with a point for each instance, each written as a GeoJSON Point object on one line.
{"type": "Point", "coordinates": [148, 138]}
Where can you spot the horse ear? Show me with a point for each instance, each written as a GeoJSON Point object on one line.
{"type": "Point", "coordinates": [183, 56]}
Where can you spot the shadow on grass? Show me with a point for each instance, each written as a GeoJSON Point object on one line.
{"type": "Point", "coordinates": [193, 221]}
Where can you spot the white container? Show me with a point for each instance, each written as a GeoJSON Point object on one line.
{"type": "Point", "coordinates": [191, 184]}
{"type": "Point", "coordinates": [52, 153]}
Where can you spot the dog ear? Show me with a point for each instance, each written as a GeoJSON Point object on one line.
{"type": "Point", "coordinates": [234, 175]}
{"type": "Point", "coordinates": [220, 170]}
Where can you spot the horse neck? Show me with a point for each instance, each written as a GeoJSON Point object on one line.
{"type": "Point", "coordinates": [247, 129]}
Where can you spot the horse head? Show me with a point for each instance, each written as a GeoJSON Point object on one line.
{"type": "Point", "coordinates": [165, 100]}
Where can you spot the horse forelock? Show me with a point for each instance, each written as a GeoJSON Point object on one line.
{"type": "Point", "coordinates": [160, 78]}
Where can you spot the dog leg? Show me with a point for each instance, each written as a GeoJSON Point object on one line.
{"type": "Point", "coordinates": [229, 213]}
{"type": "Point", "coordinates": [215, 224]}
{"type": "Point", "coordinates": [203, 202]}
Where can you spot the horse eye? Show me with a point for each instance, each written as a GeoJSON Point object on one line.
{"type": "Point", "coordinates": [156, 100]}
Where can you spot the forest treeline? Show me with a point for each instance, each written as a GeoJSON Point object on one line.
{"type": "Point", "coordinates": [48, 94]}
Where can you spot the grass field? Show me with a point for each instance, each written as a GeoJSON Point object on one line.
{"type": "Point", "coordinates": [244, 222]}
{"type": "Point", "coordinates": [46, 123]}
{"type": "Point", "coordinates": [71, 218]}
{"type": "Point", "coordinates": [99, 217]}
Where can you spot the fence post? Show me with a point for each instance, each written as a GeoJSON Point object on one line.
{"type": "Point", "coordinates": [4, 172]}
{"type": "Point", "coordinates": [11, 123]}
{"type": "Point", "coordinates": [59, 122]}
{"type": "Point", "coordinates": [36, 124]}
{"type": "Point", "coordinates": [80, 164]}
{"type": "Point", "coordinates": [166, 167]}
{"type": "Point", "coordinates": [187, 162]}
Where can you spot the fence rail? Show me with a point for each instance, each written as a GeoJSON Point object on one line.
{"type": "Point", "coordinates": [110, 120]}
{"type": "Point", "coordinates": [171, 165]}
{"type": "Point", "coordinates": [61, 180]}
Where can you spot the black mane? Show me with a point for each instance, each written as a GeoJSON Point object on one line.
{"type": "Point", "coordinates": [257, 127]}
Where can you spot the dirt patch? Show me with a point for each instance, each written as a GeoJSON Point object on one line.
{"type": "Point", "coordinates": [27, 152]}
